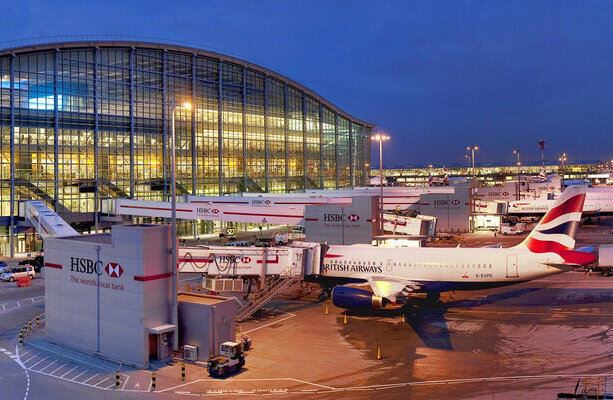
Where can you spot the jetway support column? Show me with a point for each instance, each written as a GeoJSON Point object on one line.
{"type": "Point", "coordinates": [264, 268]}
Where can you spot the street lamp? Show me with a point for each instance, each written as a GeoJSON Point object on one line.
{"type": "Point", "coordinates": [379, 137]}
{"type": "Point", "coordinates": [474, 184]}
{"type": "Point", "coordinates": [173, 224]}
{"type": "Point", "coordinates": [563, 159]}
{"type": "Point", "coordinates": [472, 150]}
{"type": "Point", "coordinates": [518, 164]}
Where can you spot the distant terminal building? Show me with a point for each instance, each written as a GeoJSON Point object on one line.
{"type": "Point", "coordinates": [495, 174]}
{"type": "Point", "coordinates": [87, 120]}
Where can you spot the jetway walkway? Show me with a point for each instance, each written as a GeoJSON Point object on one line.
{"type": "Point", "coordinates": [277, 268]}
{"type": "Point", "coordinates": [46, 222]}
{"type": "Point", "coordinates": [261, 210]}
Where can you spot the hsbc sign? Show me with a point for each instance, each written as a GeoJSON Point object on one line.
{"type": "Point", "coordinates": [261, 203]}
{"type": "Point", "coordinates": [441, 203]}
{"type": "Point", "coordinates": [341, 217]}
{"type": "Point", "coordinates": [87, 266]}
{"type": "Point", "coordinates": [207, 211]}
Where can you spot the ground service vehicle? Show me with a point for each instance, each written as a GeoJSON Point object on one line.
{"type": "Point", "coordinates": [605, 261]}
{"type": "Point", "coordinates": [507, 230]}
{"type": "Point", "coordinates": [231, 358]}
{"type": "Point", "coordinates": [22, 271]}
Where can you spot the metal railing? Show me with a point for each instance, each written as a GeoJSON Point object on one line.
{"type": "Point", "coordinates": [275, 285]}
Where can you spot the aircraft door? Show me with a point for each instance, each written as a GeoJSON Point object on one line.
{"type": "Point", "coordinates": [512, 271]}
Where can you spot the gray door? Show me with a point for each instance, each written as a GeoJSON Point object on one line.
{"type": "Point", "coordinates": [512, 266]}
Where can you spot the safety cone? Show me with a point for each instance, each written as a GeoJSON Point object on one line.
{"type": "Point", "coordinates": [403, 319]}
{"type": "Point", "coordinates": [378, 352]}
{"type": "Point", "coordinates": [345, 320]}
{"type": "Point", "coordinates": [326, 310]}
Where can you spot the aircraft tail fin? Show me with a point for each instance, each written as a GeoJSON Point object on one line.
{"type": "Point", "coordinates": [556, 231]}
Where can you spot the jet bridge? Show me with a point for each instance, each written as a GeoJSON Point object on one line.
{"type": "Point", "coordinates": [276, 268]}
{"type": "Point", "coordinates": [261, 210]}
{"type": "Point", "coordinates": [46, 222]}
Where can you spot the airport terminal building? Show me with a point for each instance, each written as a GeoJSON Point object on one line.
{"type": "Point", "coordinates": [84, 121]}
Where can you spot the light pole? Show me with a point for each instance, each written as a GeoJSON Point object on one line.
{"type": "Point", "coordinates": [379, 137]}
{"type": "Point", "coordinates": [518, 185]}
{"type": "Point", "coordinates": [474, 184]}
{"type": "Point", "coordinates": [472, 150]}
{"type": "Point", "coordinates": [563, 160]}
{"type": "Point", "coordinates": [173, 224]}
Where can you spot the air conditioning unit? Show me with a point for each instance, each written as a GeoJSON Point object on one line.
{"type": "Point", "coordinates": [190, 353]}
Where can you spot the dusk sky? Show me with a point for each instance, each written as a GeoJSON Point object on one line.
{"type": "Point", "coordinates": [435, 75]}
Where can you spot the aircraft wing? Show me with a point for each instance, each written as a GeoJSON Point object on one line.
{"type": "Point", "coordinates": [390, 286]}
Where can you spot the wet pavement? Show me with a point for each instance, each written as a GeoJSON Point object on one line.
{"type": "Point", "coordinates": [531, 340]}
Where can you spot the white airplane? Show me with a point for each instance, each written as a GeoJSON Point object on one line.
{"type": "Point", "coordinates": [393, 273]}
{"type": "Point", "coordinates": [599, 203]}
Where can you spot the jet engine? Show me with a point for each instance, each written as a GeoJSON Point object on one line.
{"type": "Point", "coordinates": [353, 297]}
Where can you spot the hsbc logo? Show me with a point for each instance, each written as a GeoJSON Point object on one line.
{"type": "Point", "coordinates": [113, 270]}
{"type": "Point", "coordinates": [446, 202]}
{"type": "Point", "coordinates": [205, 210]}
{"type": "Point", "coordinates": [259, 202]}
{"type": "Point", "coordinates": [505, 193]}
{"type": "Point", "coordinates": [353, 217]}
{"type": "Point", "coordinates": [246, 260]}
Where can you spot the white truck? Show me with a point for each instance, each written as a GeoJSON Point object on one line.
{"type": "Point", "coordinates": [231, 358]}
{"type": "Point", "coordinates": [507, 230]}
{"type": "Point", "coordinates": [605, 261]}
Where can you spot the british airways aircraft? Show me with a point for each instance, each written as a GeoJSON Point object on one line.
{"type": "Point", "coordinates": [394, 273]}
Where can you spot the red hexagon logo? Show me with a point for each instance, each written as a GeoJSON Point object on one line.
{"type": "Point", "coordinates": [505, 193]}
{"type": "Point", "coordinates": [353, 217]}
{"type": "Point", "coordinates": [267, 201]}
{"type": "Point", "coordinates": [246, 260]}
{"type": "Point", "coordinates": [113, 270]}
{"type": "Point", "coordinates": [455, 202]}
{"type": "Point", "coordinates": [215, 211]}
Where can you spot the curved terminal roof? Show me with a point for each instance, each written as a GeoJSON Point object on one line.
{"type": "Point", "coordinates": [84, 44]}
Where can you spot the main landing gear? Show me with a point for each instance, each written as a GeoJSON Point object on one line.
{"type": "Point", "coordinates": [433, 297]}
{"type": "Point", "coordinates": [325, 294]}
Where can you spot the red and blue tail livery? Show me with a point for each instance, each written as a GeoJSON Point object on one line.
{"type": "Point", "coordinates": [555, 233]}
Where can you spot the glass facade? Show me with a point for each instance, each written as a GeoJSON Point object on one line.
{"type": "Point", "coordinates": [79, 122]}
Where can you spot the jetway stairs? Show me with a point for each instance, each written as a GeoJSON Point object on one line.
{"type": "Point", "coordinates": [27, 189]}
{"type": "Point", "coordinates": [275, 285]}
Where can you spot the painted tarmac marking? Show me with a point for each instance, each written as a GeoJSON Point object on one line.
{"type": "Point", "coordinates": [25, 370]}
{"type": "Point", "coordinates": [24, 353]}
{"type": "Point", "coordinates": [125, 381]}
{"type": "Point", "coordinates": [39, 361]}
{"type": "Point", "coordinates": [57, 369]}
{"type": "Point", "coordinates": [271, 323]}
{"type": "Point", "coordinates": [102, 381]}
{"type": "Point", "coordinates": [69, 371]}
{"type": "Point", "coordinates": [311, 383]}
{"type": "Point", "coordinates": [73, 379]}
{"type": "Point", "coordinates": [47, 366]}
{"type": "Point", "coordinates": [90, 378]}
{"type": "Point", "coordinates": [78, 361]}
{"type": "Point", "coordinates": [551, 313]}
